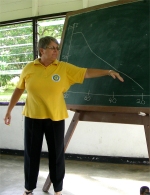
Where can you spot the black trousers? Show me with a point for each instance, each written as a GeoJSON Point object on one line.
{"type": "Point", "coordinates": [33, 139]}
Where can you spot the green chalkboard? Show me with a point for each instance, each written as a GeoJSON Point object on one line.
{"type": "Point", "coordinates": [111, 36]}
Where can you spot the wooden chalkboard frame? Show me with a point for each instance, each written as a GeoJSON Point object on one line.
{"type": "Point", "coordinates": [121, 109]}
{"type": "Point", "coordinates": [135, 110]}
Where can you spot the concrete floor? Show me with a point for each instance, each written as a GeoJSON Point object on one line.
{"type": "Point", "coordinates": [82, 178]}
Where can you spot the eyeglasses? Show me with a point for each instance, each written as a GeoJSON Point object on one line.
{"type": "Point", "coordinates": [53, 48]}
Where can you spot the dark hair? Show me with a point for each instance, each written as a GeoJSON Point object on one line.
{"type": "Point", "coordinates": [147, 193]}
{"type": "Point", "coordinates": [45, 41]}
{"type": "Point", "coordinates": [143, 189]}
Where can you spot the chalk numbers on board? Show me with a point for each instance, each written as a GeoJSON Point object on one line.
{"type": "Point", "coordinates": [112, 99]}
{"type": "Point", "coordinates": [87, 97]}
{"type": "Point", "coordinates": [66, 95]}
{"type": "Point", "coordinates": [140, 101]}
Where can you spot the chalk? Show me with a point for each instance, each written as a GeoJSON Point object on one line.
{"type": "Point", "coordinates": [142, 114]}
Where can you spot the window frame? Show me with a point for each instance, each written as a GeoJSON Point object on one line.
{"type": "Point", "coordinates": [34, 21]}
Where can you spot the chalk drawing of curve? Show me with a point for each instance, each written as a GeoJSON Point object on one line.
{"type": "Point", "coordinates": [105, 61]}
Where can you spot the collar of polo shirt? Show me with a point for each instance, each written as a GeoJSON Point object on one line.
{"type": "Point", "coordinates": [37, 62]}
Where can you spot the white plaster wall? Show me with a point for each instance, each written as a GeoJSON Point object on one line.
{"type": "Point", "coordinates": [89, 138]}
{"type": "Point", "coordinates": [11, 136]}
{"type": "Point", "coordinates": [17, 9]}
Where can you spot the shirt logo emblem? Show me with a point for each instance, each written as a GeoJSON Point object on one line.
{"type": "Point", "coordinates": [56, 77]}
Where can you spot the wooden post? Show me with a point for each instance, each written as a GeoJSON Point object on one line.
{"type": "Point", "coordinates": [146, 122]}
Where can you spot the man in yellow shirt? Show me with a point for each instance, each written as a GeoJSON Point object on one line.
{"type": "Point", "coordinates": [52, 81]}
{"type": "Point", "coordinates": [45, 80]}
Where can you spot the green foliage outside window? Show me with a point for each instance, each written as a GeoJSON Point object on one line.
{"type": "Point", "coordinates": [16, 50]}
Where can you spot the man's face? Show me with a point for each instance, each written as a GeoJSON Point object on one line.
{"type": "Point", "coordinates": [51, 52]}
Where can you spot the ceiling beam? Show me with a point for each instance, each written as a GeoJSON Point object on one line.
{"type": "Point", "coordinates": [85, 3]}
{"type": "Point", "coordinates": [35, 7]}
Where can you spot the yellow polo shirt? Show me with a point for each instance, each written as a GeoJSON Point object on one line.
{"type": "Point", "coordinates": [45, 87]}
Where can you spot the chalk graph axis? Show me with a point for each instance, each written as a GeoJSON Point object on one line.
{"type": "Point", "coordinates": [88, 95]}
